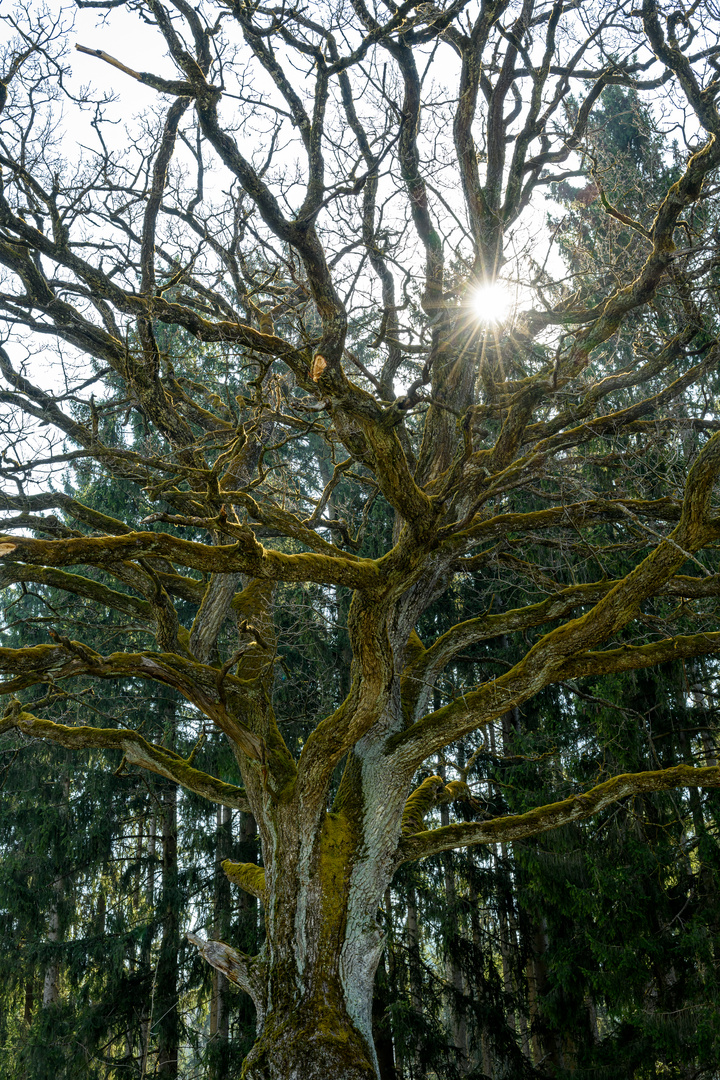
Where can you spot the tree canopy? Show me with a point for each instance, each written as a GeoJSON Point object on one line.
{"type": "Point", "coordinates": [358, 520]}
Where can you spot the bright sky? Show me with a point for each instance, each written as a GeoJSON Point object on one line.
{"type": "Point", "coordinates": [118, 33]}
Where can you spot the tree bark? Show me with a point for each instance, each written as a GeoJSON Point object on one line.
{"type": "Point", "coordinates": [146, 948]}
{"type": "Point", "coordinates": [312, 983]}
{"type": "Point", "coordinates": [51, 981]}
{"type": "Point", "coordinates": [219, 1012]}
{"type": "Point", "coordinates": [415, 971]}
{"type": "Point", "coordinates": [52, 971]}
{"type": "Point", "coordinates": [382, 1035]}
{"type": "Point", "coordinates": [166, 993]}
{"type": "Point", "coordinates": [453, 969]}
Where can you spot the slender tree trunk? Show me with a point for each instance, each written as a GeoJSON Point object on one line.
{"type": "Point", "coordinates": [509, 933]}
{"type": "Point", "coordinates": [453, 968]}
{"type": "Point", "coordinates": [382, 1035]}
{"type": "Point", "coordinates": [544, 1041]}
{"type": "Point", "coordinates": [592, 1020]}
{"type": "Point", "coordinates": [478, 964]}
{"type": "Point", "coordinates": [146, 949]}
{"type": "Point", "coordinates": [415, 969]}
{"type": "Point", "coordinates": [532, 981]}
{"type": "Point", "coordinates": [150, 881]}
{"type": "Point", "coordinates": [514, 940]}
{"type": "Point", "coordinates": [137, 892]}
{"type": "Point", "coordinates": [52, 971]}
{"type": "Point", "coordinates": [51, 982]}
{"type": "Point", "coordinates": [219, 1003]}
{"type": "Point", "coordinates": [392, 980]}
{"type": "Point", "coordinates": [508, 987]}
{"type": "Point", "coordinates": [166, 993]}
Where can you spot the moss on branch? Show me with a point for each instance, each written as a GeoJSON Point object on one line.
{"type": "Point", "coordinates": [135, 749]}
{"type": "Point", "coordinates": [78, 585]}
{"type": "Point", "coordinates": [426, 663]}
{"type": "Point", "coordinates": [478, 707]}
{"type": "Point", "coordinates": [553, 815]}
{"type": "Point", "coordinates": [419, 803]}
{"type": "Point", "coordinates": [556, 654]}
{"type": "Point", "coordinates": [246, 556]}
{"type": "Point", "coordinates": [198, 683]}
{"type": "Point", "coordinates": [571, 516]}
{"type": "Point", "coordinates": [248, 876]}
{"type": "Point", "coordinates": [631, 657]}
{"type": "Point", "coordinates": [432, 792]}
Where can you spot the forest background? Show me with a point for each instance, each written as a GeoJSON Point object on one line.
{"type": "Point", "coordinates": [206, 387]}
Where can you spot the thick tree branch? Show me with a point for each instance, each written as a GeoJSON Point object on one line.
{"type": "Point", "coordinates": [135, 750]}
{"type": "Point", "coordinates": [619, 606]}
{"type": "Point", "coordinates": [247, 556]}
{"type": "Point", "coordinates": [543, 818]}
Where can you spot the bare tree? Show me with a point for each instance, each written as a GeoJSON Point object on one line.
{"type": "Point", "coordinates": [273, 279]}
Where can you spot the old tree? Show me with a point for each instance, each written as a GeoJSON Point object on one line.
{"type": "Point", "coordinates": [260, 304]}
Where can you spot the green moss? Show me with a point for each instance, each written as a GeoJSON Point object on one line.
{"type": "Point", "coordinates": [249, 876]}
{"type": "Point", "coordinates": [552, 815]}
{"type": "Point", "coordinates": [410, 687]}
{"type": "Point", "coordinates": [317, 1033]}
{"type": "Point", "coordinates": [418, 804]}
{"type": "Point", "coordinates": [456, 789]}
{"type": "Point", "coordinates": [137, 751]}
{"type": "Point", "coordinates": [337, 842]}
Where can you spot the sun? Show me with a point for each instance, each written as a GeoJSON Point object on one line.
{"type": "Point", "coordinates": [492, 303]}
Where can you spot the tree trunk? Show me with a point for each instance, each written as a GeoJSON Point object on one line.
{"type": "Point", "coordinates": [453, 970]}
{"type": "Point", "coordinates": [219, 1014]}
{"type": "Point", "coordinates": [312, 981]}
{"type": "Point", "coordinates": [415, 971]}
{"type": "Point", "coordinates": [382, 1035]}
{"type": "Point", "coordinates": [150, 886]}
{"type": "Point", "coordinates": [146, 948]}
{"type": "Point", "coordinates": [52, 971]}
{"type": "Point", "coordinates": [319, 969]}
{"type": "Point", "coordinates": [300, 1045]}
{"type": "Point", "coordinates": [322, 885]}
{"type": "Point", "coordinates": [51, 981]}
{"type": "Point", "coordinates": [544, 1040]}
{"type": "Point", "coordinates": [478, 965]}
{"type": "Point", "coordinates": [166, 994]}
